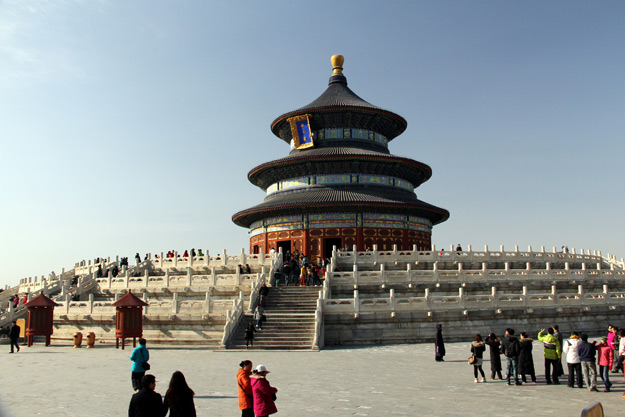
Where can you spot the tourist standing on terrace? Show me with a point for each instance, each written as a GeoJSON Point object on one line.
{"type": "Point", "coordinates": [137, 258]}
{"type": "Point", "coordinates": [14, 335]}
{"type": "Point", "coordinates": [262, 294]}
{"type": "Point", "coordinates": [478, 347]}
{"type": "Point", "coordinates": [558, 335]}
{"type": "Point", "coordinates": [264, 393]}
{"type": "Point", "coordinates": [439, 344]}
{"type": "Point", "coordinates": [605, 357]}
{"type": "Point", "coordinates": [146, 402]}
{"type": "Point", "coordinates": [494, 344]}
{"type": "Point", "coordinates": [586, 352]}
{"type": "Point", "coordinates": [552, 351]}
{"type": "Point", "coordinates": [139, 357]}
{"type": "Point", "coordinates": [621, 349]}
{"type": "Point", "coordinates": [572, 360]}
{"type": "Point", "coordinates": [526, 359]}
{"type": "Point", "coordinates": [179, 397]}
{"type": "Point", "coordinates": [246, 396]}
{"type": "Point", "coordinates": [511, 349]}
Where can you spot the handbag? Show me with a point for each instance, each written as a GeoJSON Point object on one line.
{"type": "Point", "coordinates": [146, 366]}
{"type": "Point", "coordinates": [472, 359]}
{"type": "Point", "coordinates": [273, 396]}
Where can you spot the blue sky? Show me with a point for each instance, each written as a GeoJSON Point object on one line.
{"type": "Point", "coordinates": [131, 126]}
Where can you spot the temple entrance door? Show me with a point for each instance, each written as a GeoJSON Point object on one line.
{"type": "Point", "coordinates": [285, 245]}
{"type": "Point", "coordinates": [328, 243]}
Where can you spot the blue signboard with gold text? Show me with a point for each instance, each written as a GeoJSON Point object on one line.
{"type": "Point", "coordinates": [300, 129]}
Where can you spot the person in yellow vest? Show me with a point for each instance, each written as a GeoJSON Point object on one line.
{"type": "Point", "coordinates": [553, 353]}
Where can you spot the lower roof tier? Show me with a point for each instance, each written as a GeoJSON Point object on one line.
{"type": "Point", "coordinates": [322, 199]}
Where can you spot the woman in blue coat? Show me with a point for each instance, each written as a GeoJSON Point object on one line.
{"type": "Point", "coordinates": [139, 358]}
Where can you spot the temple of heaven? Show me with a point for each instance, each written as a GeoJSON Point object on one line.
{"type": "Point", "coordinates": [339, 186]}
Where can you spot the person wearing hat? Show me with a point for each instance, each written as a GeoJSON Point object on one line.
{"type": "Point", "coordinates": [264, 393]}
{"type": "Point", "coordinates": [605, 357]}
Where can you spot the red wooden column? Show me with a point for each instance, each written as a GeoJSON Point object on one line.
{"type": "Point", "coordinates": [128, 319]}
{"type": "Point", "coordinates": [40, 315]}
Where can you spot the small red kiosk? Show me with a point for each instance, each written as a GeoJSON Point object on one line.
{"type": "Point", "coordinates": [128, 319]}
{"type": "Point", "coordinates": [40, 314]}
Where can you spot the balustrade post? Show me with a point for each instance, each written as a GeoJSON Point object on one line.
{"type": "Point", "coordinates": [469, 248]}
{"type": "Point", "coordinates": [90, 303]}
{"type": "Point", "coordinates": [409, 273]}
{"type": "Point", "coordinates": [175, 258]}
{"type": "Point", "coordinates": [501, 248]}
{"type": "Point", "coordinates": [355, 273]}
{"type": "Point", "coordinates": [146, 278]}
{"type": "Point", "coordinates": [383, 275]}
{"type": "Point", "coordinates": [189, 276]}
{"type": "Point", "coordinates": [356, 304]}
{"type": "Point", "coordinates": [548, 266]}
{"type": "Point", "coordinates": [375, 254]}
{"type": "Point", "coordinates": [243, 257]}
{"type": "Point", "coordinates": [213, 277]}
{"type": "Point", "coordinates": [395, 254]}
{"type": "Point", "coordinates": [393, 302]}
{"type": "Point", "coordinates": [485, 248]}
{"type": "Point", "coordinates": [190, 260]}
{"type": "Point", "coordinates": [433, 247]}
{"type": "Point", "coordinates": [224, 260]}
{"type": "Point", "coordinates": [427, 297]}
{"type": "Point", "coordinates": [580, 289]}
{"type": "Point", "coordinates": [174, 303]}
{"type": "Point", "coordinates": [528, 266]}
{"type": "Point", "coordinates": [461, 295]}
{"type": "Point", "coordinates": [598, 266]}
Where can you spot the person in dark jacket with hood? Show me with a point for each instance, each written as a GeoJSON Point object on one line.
{"type": "Point", "coordinates": [439, 345]}
{"type": "Point", "coordinates": [477, 349]}
{"type": "Point", "coordinates": [526, 359]}
{"type": "Point", "coordinates": [511, 349]}
{"type": "Point", "coordinates": [494, 344]}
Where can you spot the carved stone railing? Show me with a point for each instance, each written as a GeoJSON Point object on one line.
{"type": "Point", "coordinates": [411, 277]}
{"type": "Point", "coordinates": [318, 339]}
{"type": "Point", "coordinates": [471, 302]}
{"type": "Point", "coordinates": [208, 261]}
{"type": "Point", "coordinates": [376, 257]}
{"type": "Point", "coordinates": [233, 317]}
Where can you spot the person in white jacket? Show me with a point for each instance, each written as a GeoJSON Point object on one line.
{"type": "Point", "coordinates": [572, 360]}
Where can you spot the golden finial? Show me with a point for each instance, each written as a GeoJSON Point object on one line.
{"type": "Point", "coordinates": [337, 64]}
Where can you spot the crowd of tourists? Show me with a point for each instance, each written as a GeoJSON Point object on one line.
{"type": "Point", "coordinates": [256, 396]}
{"type": "Point", "coordinates": [580, 355]}
{"type": "Point", "coordinates": [297, 269]}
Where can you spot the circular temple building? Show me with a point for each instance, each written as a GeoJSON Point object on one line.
{"type": "Point", "coordinates": [339, 186]}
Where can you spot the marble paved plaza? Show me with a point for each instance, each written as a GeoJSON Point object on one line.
{"type": "Point", "coordinates": [401, 380]}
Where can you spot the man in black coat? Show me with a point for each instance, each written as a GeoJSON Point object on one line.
{"type": "Point", "coordinates": [14, 335]}
{"type": "Point", "coordinates": [511, 348]}
{"type": "Point", "coordinates": [146, 402]}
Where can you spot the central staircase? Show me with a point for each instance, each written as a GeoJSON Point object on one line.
{"type": "Point", "coordinates": [290, 324]}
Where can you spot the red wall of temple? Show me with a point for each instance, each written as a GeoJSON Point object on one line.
{"type": "Point", "coordinates": [315, 242]}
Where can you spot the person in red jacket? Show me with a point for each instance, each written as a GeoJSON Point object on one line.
{"type": "Point", "coordinates": [264, 394]}
{"type": "Point", "coordinates": [246, 402]}
{"type": "Point", "coordinates": [605, 358]}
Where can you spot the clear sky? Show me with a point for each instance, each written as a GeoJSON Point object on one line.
{"type": "Point", "coordinates": [130, 126]}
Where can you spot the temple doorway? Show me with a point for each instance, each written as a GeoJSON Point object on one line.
{"type": "Point", "coordinates": [285, 245]}
{"type": "Point", "coordinates": [328, 243]}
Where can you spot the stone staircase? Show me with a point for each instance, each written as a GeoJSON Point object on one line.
{"type": "Point", "coordinates": [290, 324]}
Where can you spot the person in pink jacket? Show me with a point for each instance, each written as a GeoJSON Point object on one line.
{"type": "Point", "coordinates": [605, 358]}
{"type": "Point", "coordinates": [264, 394]}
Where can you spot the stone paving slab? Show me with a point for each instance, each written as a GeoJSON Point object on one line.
{"type": "Point", "coordinates": [399, 380]}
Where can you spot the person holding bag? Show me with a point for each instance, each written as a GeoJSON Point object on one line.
{"type": "Point", "coordinates": [139, 357]}
{"type": "Point", "coordinates": [246, 396]}
{"type": "Point", "coordinates": [478, 347]}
